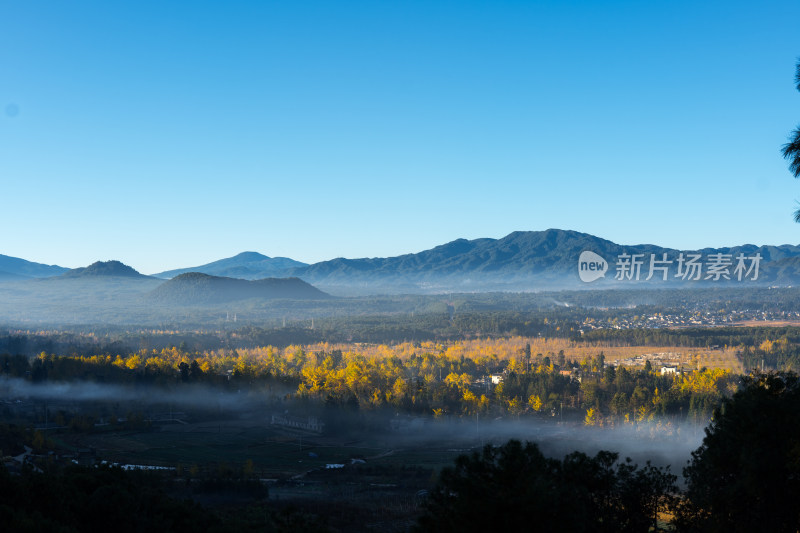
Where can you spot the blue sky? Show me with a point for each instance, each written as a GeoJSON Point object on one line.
{"type": "Point", "coordinates": [168, 135]}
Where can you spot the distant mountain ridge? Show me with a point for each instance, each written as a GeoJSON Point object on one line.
{"type": "Point", "coordinates": [196, 288]}
{"type": "Point", "coordinates": [104, 269]}
{"type": "Point", "coordinates": [16, 268]}
{"type": "Point", "coordinates": [514, 252]}
{"type": "Point", "coordinates": [520, 261]}
{"type": "Point", "coordinates": [246, 265]}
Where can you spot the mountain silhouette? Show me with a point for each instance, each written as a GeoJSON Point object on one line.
{"type": "Point", "coordinates": [104, 269]}
{"type": "Point", "coordinates": [199, 288]}
{"type": "Point", "coordinates": [246, 265]}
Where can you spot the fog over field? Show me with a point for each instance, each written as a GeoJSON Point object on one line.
{"type": "Point", "coordinates": [191, 395]}
{"type": "Point", "coordinates": [664, 441]}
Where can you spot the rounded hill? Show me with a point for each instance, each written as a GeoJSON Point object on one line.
{"type": "Point", "coordinates": [104, 269]}
{"type": "Point", "coordinates": [199, 288]}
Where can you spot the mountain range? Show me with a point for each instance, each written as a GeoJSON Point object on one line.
{"type": "Point", "coordinates": [246, 265]}
{"type": "Point", "coordinates": [103, 269]}
{"type": "Point", "coordinates": [520, 261]}
{"type": "Point", "coordinates": [529, 260]}
{"type": "Point", "coordinates": [195, 288]}
{"type": "Point", "coordinates": [14, 268]}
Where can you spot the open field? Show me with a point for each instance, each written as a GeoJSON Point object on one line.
{"type": "Point", "coordinates": [279, 453]}
{"type": "Point", "coordinates": [683, 358]}
{"type": "Point", "coordinates": [689, 358]}
{"type": "Point", "coordinates": [273, 452]}
{"type": "Point", "coordinates": [767, 323]}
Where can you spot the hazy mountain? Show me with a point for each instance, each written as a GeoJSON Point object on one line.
{"type": "Point", "coordinates": [523, 260]}
{"type": "Point", "coordinates": [14, 268]}
{"type": "Point", "coordinates": [196, 288]}
{"type": "Point", "coordinates": [477, 264]}
{"type": "Point", "coordinates": [8, 276]}
{"type": "Point", "coordinates": [114, 293]}
{"type": "Point", "coordinates": [104, 269]}
{"type": "Point", "coordinates": [520, 261]}
{"type": "Point", "coordinates": [783, 271]}
{"type": "Point", "coordinates": [246, 265]}
{"type": "Point", "coordinates": [101, 293]}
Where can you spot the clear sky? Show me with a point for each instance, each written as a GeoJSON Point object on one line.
{"type": "Point", "coordinates": [171, 134]}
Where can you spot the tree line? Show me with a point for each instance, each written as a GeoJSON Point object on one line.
{"type": "Point", "coordinates": [487, 377]}
{"type": "Point", "coordinates": [743, 478]}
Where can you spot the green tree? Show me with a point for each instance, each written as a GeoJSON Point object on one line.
{"type": "Point", "coordinates": [515, 488]}
{"type": "Point", "coordinates": [746, 474]}
{"type": "Point", "coordinates": [791, 150]}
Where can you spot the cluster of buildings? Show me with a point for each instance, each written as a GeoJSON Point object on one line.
{"type": "Point", "coordinates": [688, 319]}
{"type": "Point", "coordinates": [307, 423]}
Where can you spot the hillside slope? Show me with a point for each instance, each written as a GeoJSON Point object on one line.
{"type": "Point", "coordinates": [196, 288]}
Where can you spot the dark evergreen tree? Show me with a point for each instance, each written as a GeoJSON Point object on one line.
{"type": "Point", "coordinates": [791, 150]}
{"type": "Point", "coordinates": [513, 487]}
{"type": "Point", "coordinates": [746, 474]}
